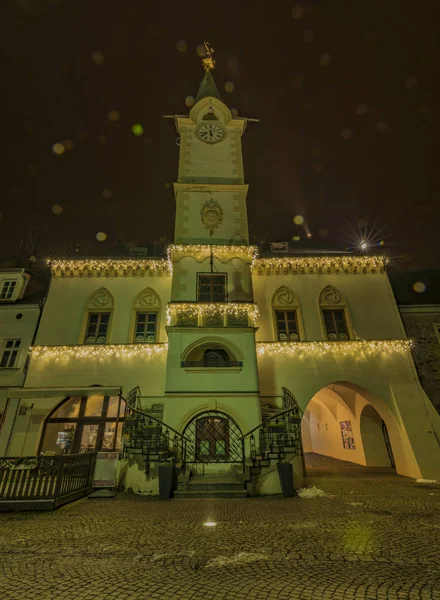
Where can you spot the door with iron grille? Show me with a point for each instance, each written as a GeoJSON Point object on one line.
{"type": "Point", "coordinates": [213, 437]}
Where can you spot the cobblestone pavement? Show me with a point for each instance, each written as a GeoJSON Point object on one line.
{"type": "Point", "coordinates": [374, 536]}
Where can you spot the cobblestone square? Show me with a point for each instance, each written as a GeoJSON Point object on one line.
{"type": "Point", "coordinates": [374, 536]}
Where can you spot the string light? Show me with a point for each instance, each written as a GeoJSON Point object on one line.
{"type": "Point", "coordinates": [202, 310]}
{"type": "Point", "coordinates": [98, 351]}
{"type": "Point", "coordinates": [298, 264]}
{"type": "Point", "coordinates": [347, 348]}
{"type": "Point", "coordinates": [78, 267]}
{"type": "Point", "coordinates": [202, 251]}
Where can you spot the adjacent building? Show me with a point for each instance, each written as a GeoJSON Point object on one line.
{"type": "Point", "coordinates": [21, 301]}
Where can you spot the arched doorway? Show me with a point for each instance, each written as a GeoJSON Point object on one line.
{"type": "Point", "coordinates": [213, 437]}
{"type": "Point", "coordinates": [84, 424]}
{"type": "Point", "coordinates": [345, 426]}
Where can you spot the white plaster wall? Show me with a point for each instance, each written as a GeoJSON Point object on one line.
{"type": "Point", "coordinates": [372, 307]}
{"type": "Point", "coordinates": [189, 203]}
{"type": "Point", "coordinates": [127, 372]}
{"type": "Point", "coordinates": [325, 433]}
{"type": "Point", "coordinates": [66, 307]}
{"type": "Point", "coordinates": [376, 454]}
{"type": "Point", "coordinates": [242, 344]}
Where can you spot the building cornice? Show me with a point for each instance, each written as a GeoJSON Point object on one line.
{"type": "Point", "coordinates": [200, 252]}
{"type": "Point", "coordinates": [97, 351]}
{"type": "Point", "coordinates": [343, 348]}
{"type": "Point", "coordinates": [419, 308]}
{"type": "Point", "coordinates": [298, 265]}
{"type": "Point", "coordinates": [211, 187]}
{"type": "Point", "coordinates": [109, 267]}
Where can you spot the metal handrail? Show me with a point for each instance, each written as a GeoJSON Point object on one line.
{"type": "Point", "coordinates": [267, 421]}
{"type": "Point", "coordinates": [155, 419]}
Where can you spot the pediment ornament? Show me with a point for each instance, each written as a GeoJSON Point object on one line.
{"type": "Point", "coordinates": [148, 298]}
{"type": "Point", "coordinates": [102, 299]}
{"type": "Point", "coordinates": [330, 295]}
{"type": "Point", "coordinates": [284, 296]}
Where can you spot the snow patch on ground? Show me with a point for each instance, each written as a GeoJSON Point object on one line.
{"type": "Point", "coordinates": [427, 481]}
{"type": "Point", "coordinates": [312, 492]}
{"type": "Point", "coordinates": [241, 558]}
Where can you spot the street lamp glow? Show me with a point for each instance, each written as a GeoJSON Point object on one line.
{"type": "Point", "coordinates": [209, 524]}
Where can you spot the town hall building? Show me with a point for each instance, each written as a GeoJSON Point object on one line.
{"type": "Point", "coordinates": [222, 355]}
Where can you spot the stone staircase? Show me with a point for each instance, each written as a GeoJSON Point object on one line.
{"type": "Point", "coordinates": [214, 486]}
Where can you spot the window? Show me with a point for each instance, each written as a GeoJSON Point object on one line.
{"type": "Point", "coordinates": [287, 325]}
{"type": "Point", "coordinates": [335, 324]}
{"type": "Point", "coordinates": [212, 287]}
{"type": "Point", "coordinates": [10, 353]}
{"type": "Point", "coordinates": [7, 290]}
{"type": "Point", "coordinates": [97, 328]}
{"type": "Point", "coordinates": [85, 424]}
{"type": "Point", "coordinates": [145, 328]}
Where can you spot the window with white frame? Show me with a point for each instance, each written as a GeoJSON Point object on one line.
{"type": "Point", "coordinates": [7, 290]}
{"type": "Point", "coordinates": [10, 354]}
{"type": "Point", "coordinates": [97, 328]}
{"type": "Point", "coordinates": [145, 327]}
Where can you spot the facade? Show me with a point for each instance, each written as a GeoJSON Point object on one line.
{"type": "Point", "coordinates": [418, 297]}
{"type": "Point", "coordinates": [206, 338]}
{"type": "Point", "coordinates": [21, 296]}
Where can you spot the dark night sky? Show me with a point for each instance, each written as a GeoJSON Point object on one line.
{"type": "Point", "coordinates": [311, 154]}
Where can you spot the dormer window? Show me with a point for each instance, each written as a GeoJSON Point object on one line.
{"type": "Point", "coordinates": [7, 290]}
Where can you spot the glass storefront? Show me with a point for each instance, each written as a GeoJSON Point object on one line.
{"type": "Point", "coordinates": [84, 424]}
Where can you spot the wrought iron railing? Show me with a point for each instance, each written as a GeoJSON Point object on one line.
{"type": "Point", "coordinates": [211, 363]}
{"type": "Point", "coordinates": [151, 438]}
{"type": "Point", "coordinates": [277, 433]}
{"type": "Point", "coordinates": [57, 478]}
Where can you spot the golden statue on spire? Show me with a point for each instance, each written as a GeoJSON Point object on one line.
{"type": "Point", "coordinates": [208, 60]}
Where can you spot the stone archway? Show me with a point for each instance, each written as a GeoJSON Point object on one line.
{"type": "Point", "coordinates": [347, 423]}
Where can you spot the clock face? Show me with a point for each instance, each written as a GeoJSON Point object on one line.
{"type": "Point", "coordinates": [211, 133]}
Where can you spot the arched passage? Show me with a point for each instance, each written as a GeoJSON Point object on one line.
{"type": "Point", "coordinates": [345, 422]}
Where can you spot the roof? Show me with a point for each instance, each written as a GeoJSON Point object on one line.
{"type": "Point", "coordinates": [207, 87]}
{"type": "Point", "coordinates": [415, 287]}
{"type": "Point", "coordinates": [303, 248]}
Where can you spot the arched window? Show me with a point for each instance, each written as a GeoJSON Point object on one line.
{"type": "Point", "coordinates": [210, 353]}
{"type": "Point", "coordinates": [146, 317]}
{"type": "Point", "coordinates": [99, 312]}
{"type": "Point", "coordinates": [287, 315]}
{"type": "Point", "coordinates": [335, 314]}
{"type": "Point", "coordinates": [84, 424]}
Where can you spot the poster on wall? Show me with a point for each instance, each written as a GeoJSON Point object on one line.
{"type": "Point", "coordinates": [347, 435]}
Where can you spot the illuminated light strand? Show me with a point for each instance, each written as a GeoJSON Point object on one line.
{"type": "Point", "coordinates": [74, 267]}
{"type": "Point", "coordinates": [202, 251]}
{"type": "Point", "coordinates": [346, 348]}
{"type": "Point", "coordinates": [315, 263]}
{"type": "Point", "coordinates": [208, 309]}
{"type": "Point", "coordinates": [101, 351]}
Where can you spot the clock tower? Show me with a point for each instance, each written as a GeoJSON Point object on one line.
{"type": "Point", "coordinates": [211, 366]}
{"type": "Point", "coordinates": [210, 190]}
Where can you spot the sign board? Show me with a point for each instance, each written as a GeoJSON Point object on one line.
{"type": "Point", "coordinates": [105, 469]}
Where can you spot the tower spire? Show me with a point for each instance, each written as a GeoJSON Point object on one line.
{"type": "Point", "coordinates": [207, 87]}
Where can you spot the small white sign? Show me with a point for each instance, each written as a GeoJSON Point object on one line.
{"type": "Point", "coordinates": [105, 469]}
